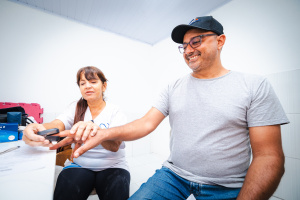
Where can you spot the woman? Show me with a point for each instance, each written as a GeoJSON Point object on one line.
{"type": "Point", "coordinates": [103, 167]}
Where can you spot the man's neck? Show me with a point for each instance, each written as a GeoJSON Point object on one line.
{"type": "Point", "coordinates": [209, 73]}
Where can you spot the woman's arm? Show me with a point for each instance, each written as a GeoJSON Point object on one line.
{"type": "Point", "coordinates": [31, 138]}
{"type": "Point", "coordinates": [111, 145]}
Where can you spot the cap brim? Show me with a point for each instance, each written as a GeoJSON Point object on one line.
{"type": "Point", "coordinates": [179, 32]}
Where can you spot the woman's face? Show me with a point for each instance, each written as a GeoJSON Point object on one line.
{"type": "Point", "coordinates": [93, 89]}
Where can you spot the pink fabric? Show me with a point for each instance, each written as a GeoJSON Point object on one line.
{"type": "Point", "coordinates": [32, 109]}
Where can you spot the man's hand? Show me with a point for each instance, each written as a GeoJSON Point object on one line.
{"type": "Point", "coordinates": [69, 139]}
{"type": "Point", "coordinates": [31, 138]}
{"type": "Point", "coordinates": [91, 142]}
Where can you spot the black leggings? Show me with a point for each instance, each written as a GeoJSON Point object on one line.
{"type": "Point", "coordinates": [77, 183]}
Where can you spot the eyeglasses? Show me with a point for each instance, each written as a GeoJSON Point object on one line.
{"type": "Point", "coordinates": [194, 42]}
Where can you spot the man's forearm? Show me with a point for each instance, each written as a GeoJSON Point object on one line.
{"type": "Point", "coordinates": [128, 132]}
{"type": "Point", "coordinates": [262, 178]}
{"type": "Point", "coordinates": [131, 131]}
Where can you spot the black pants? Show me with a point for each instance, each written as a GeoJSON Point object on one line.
{"type": "Point", "coordinates": [77, 184]}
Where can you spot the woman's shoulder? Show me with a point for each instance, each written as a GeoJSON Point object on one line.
{"type": "Point", "coordinates": [117, 116]}
{"type": "Point", "coordinates": [112, 107]}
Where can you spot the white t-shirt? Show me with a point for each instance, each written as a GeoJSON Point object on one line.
{"type": "Point", "coordinates": [98, 158]}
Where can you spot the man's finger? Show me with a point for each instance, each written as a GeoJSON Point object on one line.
{"type": "Point", "coordinates": [89, 144]}
{"type": "Point", "coordinates": [77, 145]}
{"type": "Point", "coordinates": [65, 133]}
{"type": "Point", "coordinates": [81, 150]}
{"type": "Point", "coordinates": [47, 143]}
{"type": "Point", "coordinates": [64, 142]}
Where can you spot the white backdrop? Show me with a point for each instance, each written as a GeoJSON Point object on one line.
{"type": "Point", "coordinates": [41, 53]}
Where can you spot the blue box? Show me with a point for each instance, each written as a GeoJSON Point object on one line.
{"type": "Point", "coordinates": [9, 126]}
{"type": "Point", "coordinates": [8, 136]}
{"type": "Point", "coordinates": [20, 135]}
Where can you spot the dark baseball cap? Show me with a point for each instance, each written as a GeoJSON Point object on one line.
{"type": "Point", "coordinates": [207, 23]}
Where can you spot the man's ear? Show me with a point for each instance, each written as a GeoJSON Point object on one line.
{"type": "Point", "coordinates": [221, 41]}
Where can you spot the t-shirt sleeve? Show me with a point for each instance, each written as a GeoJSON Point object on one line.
{"type": "Point", "coordinates": [162, 102]}
{"type": "Point", "coordinates": [265, 108]}
{"type": "Point", "coordinates": [67, 117]}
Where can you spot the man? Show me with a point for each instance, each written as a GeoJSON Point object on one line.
{"type": "Point", "coordinates": [215, 115]}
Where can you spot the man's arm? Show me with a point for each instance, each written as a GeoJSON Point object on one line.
{"type": "Point", "coordinates": [128, 132]}
{"type": "Point", "coordinates": [267, 166]}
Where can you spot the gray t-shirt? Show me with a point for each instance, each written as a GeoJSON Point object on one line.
{"type": "Point", "coordinates": [209, 121]}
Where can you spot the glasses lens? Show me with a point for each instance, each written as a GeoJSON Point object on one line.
{"type": "Point", "coordinates": [181, 49]}
{"type": "Point", "coordinates": [195, 42]}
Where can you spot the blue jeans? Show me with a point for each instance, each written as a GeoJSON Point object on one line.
{"type": "Point", "coordinates": [165, 184]}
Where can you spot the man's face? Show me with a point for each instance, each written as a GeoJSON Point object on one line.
{"type": "Point", "coordinates": [203, 56]}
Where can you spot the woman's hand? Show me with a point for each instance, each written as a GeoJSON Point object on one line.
{"type": "Point", "coordinates": [31, 138]}
{"type": "Point", "coordinates": [82, 130]}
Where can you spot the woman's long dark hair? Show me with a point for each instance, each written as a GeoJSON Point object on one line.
{"type": "Point", "coordinates": [89, 72]}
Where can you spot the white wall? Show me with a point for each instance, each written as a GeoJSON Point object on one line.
{"type": "Point", "coordinates": [38, 48]}
{"type": "Point", "coordinates": [41, 53]}
{"type": "Point", "coordinates": [262, 38]}
{"type": "Point", "coordinates": [287, 87]}
{"type": "Point", "coordinates": [261, 35]}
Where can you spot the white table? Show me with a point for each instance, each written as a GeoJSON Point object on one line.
{"type": "Point", "coordinates": [32, 183]}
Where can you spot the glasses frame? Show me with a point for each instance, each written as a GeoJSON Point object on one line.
{"type": "Point", "coordinates": [180, 47]}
